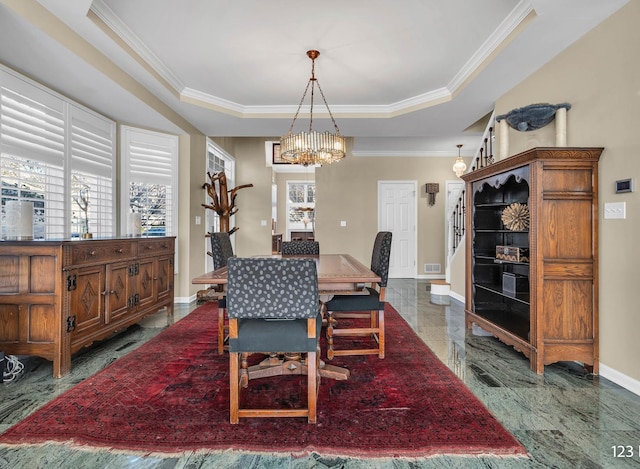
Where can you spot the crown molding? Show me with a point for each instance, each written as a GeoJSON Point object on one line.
{"type": "Point", "coordinates": [517, 18]}
{"type": "Point", "coordinates": [145, 56]}
{"type": "Point", "coordinates": [484, 54]}
{"type": "Point", "coordinates": [407, 153]}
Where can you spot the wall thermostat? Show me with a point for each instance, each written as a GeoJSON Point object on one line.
{"type": "Point", "coordinates": [624, 185]}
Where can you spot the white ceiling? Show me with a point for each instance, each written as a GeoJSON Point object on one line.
{"type": "Point", "coordinates": [403, 77]}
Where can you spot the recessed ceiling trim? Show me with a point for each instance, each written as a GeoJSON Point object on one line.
{"type": "Point", "coordinates": [141, 53]}
{"type": "Point", "coordinates": [343, 111]}
{"type": "Point", "coordinates": [497, 40]}
{"type": "Point", "coordinates": [407, 153]}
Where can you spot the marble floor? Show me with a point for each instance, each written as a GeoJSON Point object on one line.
{"type": "Point", "coordinates": [566, 418]}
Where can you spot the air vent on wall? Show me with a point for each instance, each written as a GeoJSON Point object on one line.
{"type": "Point", "coordinates": [431, 268]}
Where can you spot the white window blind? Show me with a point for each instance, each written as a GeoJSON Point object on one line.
{"type": "Point", "coordinates": [46, 143]}
{"type": "Point", "coordinates": [150, 179]}
{"type": "Point", "coordinates": [92, 173]}
{"type": "Point", "coordinates": [32, 152]}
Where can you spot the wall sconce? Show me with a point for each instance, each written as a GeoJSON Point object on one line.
{"type": "Point", "coordinates": [432, 189]}
{"type": "Point", "coordinates": [459, 167]}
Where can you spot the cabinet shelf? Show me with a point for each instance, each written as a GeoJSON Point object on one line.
{"type": "Point", "coordinates": [497, 289]}
{"type": "Point", "coordinates": [494, 205]}
{"type": "Point", "coordinates": [514, 324]}
{"type": "Point", "coordinates": [501, 231]}
{"type": "Point", "coordinates": [493, 260]}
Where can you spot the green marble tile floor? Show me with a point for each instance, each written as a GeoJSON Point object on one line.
{"type": "Point", "coordinates": [566, 418]}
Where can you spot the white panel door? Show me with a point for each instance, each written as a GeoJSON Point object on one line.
{"type": "Point", "coordinates": [397, 213]}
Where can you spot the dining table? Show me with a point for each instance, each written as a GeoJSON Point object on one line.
{"type": "Point", "coordinates": [338, 274]}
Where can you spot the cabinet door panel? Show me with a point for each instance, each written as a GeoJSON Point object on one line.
{"type": "Point", "coordinates": [86, 299]}
{"type": "Point", "coordinates": [164, 276]}
{"type": "Point", "coordinates": [144, 282]}
{"type": "Point", "coordinates": [118, 291]}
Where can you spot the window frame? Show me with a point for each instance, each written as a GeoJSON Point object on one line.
{"type": "Point", "coordinates": [291, 205]}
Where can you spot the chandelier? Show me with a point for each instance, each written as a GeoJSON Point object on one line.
{"type": "Point", "coordinates": [312, 147]}
{"type": "Point", "coordinates": [459, 167]}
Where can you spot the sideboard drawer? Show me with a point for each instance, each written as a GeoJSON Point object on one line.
{"type": "Point", "coordinates": [97, 252]}
{"type": "Point", "coordinates": [157, 246]}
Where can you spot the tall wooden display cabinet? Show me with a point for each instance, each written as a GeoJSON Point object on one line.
{"type": "Point", "coordinates": [532, 278]}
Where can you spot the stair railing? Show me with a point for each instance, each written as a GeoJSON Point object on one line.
{"type": "Point", "coordinates": [457, 218]}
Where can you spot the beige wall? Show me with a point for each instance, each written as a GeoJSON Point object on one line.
{"type": "Point", "coordinates": [190, 262]}
{"type": "Point", "coordinates": [600, 77]}
{"type": "Point", "coordinates": [348, 191]}
{"type": "Point", "coordinates": [254, 204]}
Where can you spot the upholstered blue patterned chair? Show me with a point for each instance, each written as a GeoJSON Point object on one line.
{"type": "Point", "coordinates": [300, 248]}
{"type": "Point", "coordinates": [273, 308]}
{"type": "Point", "coordinates": [221, 251]}
{"type": "Point", "coordinates": [367, 311]}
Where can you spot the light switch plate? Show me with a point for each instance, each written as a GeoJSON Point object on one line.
{"type": "Point", "coordinates": [343, 223]}
{"type": "Point", "coordinates": [615, 210]}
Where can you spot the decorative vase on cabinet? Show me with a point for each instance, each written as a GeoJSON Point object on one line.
{"type": "Point", "coordinates": [532, 254]}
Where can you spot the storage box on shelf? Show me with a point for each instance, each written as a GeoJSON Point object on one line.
{"type": "Point", "coordinates": [57, 297]}
{"type": "Point", "coordinates": [512, 253]}
{"type": "Point", "coordinates": [535, 289]}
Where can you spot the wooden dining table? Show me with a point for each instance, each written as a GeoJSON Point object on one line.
{"type": "Point", "coordinates": [338, 274]}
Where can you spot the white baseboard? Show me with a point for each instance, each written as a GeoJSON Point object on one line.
{"type": "Point", "coordinates": [184, 299]}
{"type": "Point", "coordinates": [620, 379]}
{"type": "Point", "coordinates": [430, 277]}
{"type": "Point", "coordinates": [456, 296]}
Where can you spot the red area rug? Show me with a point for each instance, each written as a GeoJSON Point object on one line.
{"type": "Point", "coordinates": [171, 395]}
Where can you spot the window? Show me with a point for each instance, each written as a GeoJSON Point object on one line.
{"type": "Point", "coordinates": [150, 179]}
{"type": "Point", "coordinates": [217, 160]}
{"type": "Point", "coordinates": [301, 203]}
{"type": "Point", "coordinates": [50, 149]}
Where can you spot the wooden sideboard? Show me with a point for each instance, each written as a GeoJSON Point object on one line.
{"type": "Point", "coordinates": [57, 297]}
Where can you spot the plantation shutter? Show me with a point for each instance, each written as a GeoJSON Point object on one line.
{"type": "Point", "coordinates": [32, 152]}
{"type": "Point", "coordinates": [92, 166]}
{"type": "Point", "coordinates": [50, 146]}
{"type": "Point", "coordinates": [150, 171]}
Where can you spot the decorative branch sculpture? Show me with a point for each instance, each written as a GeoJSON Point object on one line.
{"type": "Point", "coordinates": [223, 201]}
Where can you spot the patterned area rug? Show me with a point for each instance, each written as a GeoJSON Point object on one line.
{"type": "Point", "coordinates": [171, 395]}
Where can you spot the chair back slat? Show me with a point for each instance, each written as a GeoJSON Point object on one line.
{"type": "Point", "coordinates": [380, 256]}
{"type": "Point", "coordinates": [272, 288]}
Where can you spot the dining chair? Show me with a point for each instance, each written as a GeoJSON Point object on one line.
{"type": "Point", "coordinates": [300, 248]}
{"type": "Point", "coordinates": [365, 312]}
{"type": "Point", "coordinates": [221, 251]}
{"type": "Point", "coordinates": [273, 309]}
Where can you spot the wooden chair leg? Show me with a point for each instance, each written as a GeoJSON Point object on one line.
{"type": "Point", "coordinates": [234, 385]}
{"type": "Point", "coordinates": [375, 331]}
{"type": "Point", "coordinates": [221, 331]}
{"type": "Point", "coordinates": [312, 385]}
{"type": "Point", "coordinates": [330, 324]}
{"type": "Point", "coordinates": [381, 333]}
